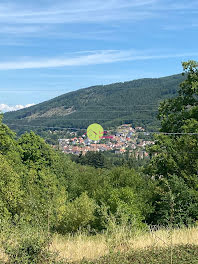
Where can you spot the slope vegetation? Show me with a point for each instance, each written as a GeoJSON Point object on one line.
{"type": "Point", "coordinates": [110, 105]}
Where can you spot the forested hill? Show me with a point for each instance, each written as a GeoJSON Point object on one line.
{"type": "Point", "coordinates": [110, 105]}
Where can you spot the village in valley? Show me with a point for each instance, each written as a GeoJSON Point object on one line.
{"type": "Point", "coordinates": [124, 139]}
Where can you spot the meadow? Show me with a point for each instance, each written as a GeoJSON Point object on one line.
{"type": "Point", "coordinates": [82, 246]}
{"type": "Point", "coordinates": [125, 246]}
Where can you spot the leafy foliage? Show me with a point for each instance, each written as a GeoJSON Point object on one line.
{"type": "Point", "coordinates": [175, 156]}
{"type": "Point", "coordinates": [78, 214]}
{"type": "Point", "coordinates": [11, 195]}
{"type": "Point", "coordinates": [25, 244]}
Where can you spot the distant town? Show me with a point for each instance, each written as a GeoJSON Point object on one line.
{"type": "Point", "coordinates": [124, 139]}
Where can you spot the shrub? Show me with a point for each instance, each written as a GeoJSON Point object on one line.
{"type": "Point", "coordinates": [26, 245]}
{"type": "Point", "coordinates": [78, 214]}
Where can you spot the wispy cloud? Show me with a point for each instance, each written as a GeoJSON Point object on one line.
{"type": "Point", "coordinates": [53, 19]}
{"type": "Point", "coordinates": [88, 11]}
{"type": "Point", "coordinates": [7, 108]}
{"type": "Point", "coordinates": [77, 11]}
{"type": "Point", "coordinates": [94, 58]}
{"type": "Point", "coordinates": [46, 19]}
{"type": "Point", "coordinates": [12, 29]}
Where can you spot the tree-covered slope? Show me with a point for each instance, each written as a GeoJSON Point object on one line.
{"type": "Point", "coordinates": [133, 102]}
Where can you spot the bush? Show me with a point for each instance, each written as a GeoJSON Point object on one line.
{"type": "Point", "coordinates": [26, 245]}
{"type": "Point", "coordinates": [78, 214]}
{"type": "Point", "coordinates": [175, 202]}
{"type": "Point", "coordinates": [10, 190]}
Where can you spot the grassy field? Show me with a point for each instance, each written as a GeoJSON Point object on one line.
{"type": "Point", "coordinates": [123, 244]}
{"type": "Point", "coordinates": [182, 255]}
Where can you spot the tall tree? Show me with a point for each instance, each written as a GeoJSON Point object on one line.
{"type": "Point", "coordinates": [175, 153]}
{"type": "Point", "coordinates": [182, 111]}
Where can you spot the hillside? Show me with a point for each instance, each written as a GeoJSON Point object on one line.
{"type": "Point", "coordinates": [129, 102]}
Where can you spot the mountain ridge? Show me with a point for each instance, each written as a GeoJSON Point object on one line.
{"type": "Point", "coordinates": [110, 104]}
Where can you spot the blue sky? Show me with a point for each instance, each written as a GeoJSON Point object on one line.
{"type": "Point", "coordinates": [48, 48]}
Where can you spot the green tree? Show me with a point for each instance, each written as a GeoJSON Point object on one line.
{"type": "Point", "coordinates": [11, 194]}
{"type": "Point", "coordinates": [44, 182]}
{"type": "Point", "coordinates": [94, 159]}
{"type": "Point", "coordinates": [35, 152]}
{"type": "Point", "coordinates": [175, 203]}
{"type": "Point", "coordinates": [45, 198]}
{"type": "Point", "coordinates": [8, 144]}
{"type": "Point", "coordinates": [176, 113]}
{"type": "Point", "coordinates": [78, 214]}
{"type": "Point", "coordinates": [177, 153]}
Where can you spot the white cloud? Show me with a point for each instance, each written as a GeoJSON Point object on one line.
{"type": "Point", "coordinates": [51, 19]}
{"type": "Point", "coordinates": [12, 29]}
{"type": "Point", "coordinates": [7, 108]}
{"type": "Point", "coordinates": [94, 58]}
{"type": "Point", "coordinates": [42, 19]}
{"type": "Point", "coordinates": [76, 11]}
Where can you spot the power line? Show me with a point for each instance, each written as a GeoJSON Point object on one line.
{"type": "Point", "coordinates": [85, 119]}
{"type": "Point", "coordinates": [76, 119]}
{"type": "Point", "coordinates": [124, 106]}
{"type": "Point", "coordinates": [146, 133]}
{"type": "Point", "coordinates": [94, 111]}
{"type": "Point", "coordinates": [180, 152]}
{"type": "Point", "coordinates": [102, 105]}
{"type": "Point", "coordinates": [133, 108]}
{"type": "Point", "coordinates": [67, 128]}
{"type": "Point", "coordinates": [169, 133]}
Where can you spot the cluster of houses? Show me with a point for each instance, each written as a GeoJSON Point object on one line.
{"type": "Point", "coordinates": [125, 139]}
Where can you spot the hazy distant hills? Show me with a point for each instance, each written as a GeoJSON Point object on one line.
{"type": "Point", "coordinates": [129, 102]}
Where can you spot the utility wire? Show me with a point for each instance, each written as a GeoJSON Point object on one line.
{"type": "Point", "coordinates": [139, 132]}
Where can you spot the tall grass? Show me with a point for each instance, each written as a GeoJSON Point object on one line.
{"type": "Point", "coordinates": [121, 239]}
{"type": "Point", "coordinates": [81, 245]}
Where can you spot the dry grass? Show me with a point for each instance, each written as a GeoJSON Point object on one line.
{"type": "Point", "coordinates": [162, 238]}
{"type": "Point", "coordinates": [91, 247]}
{"type": "Point", "coordinates": [3, 256]}
{"type": "Point", "coordinates": [79, 247]}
